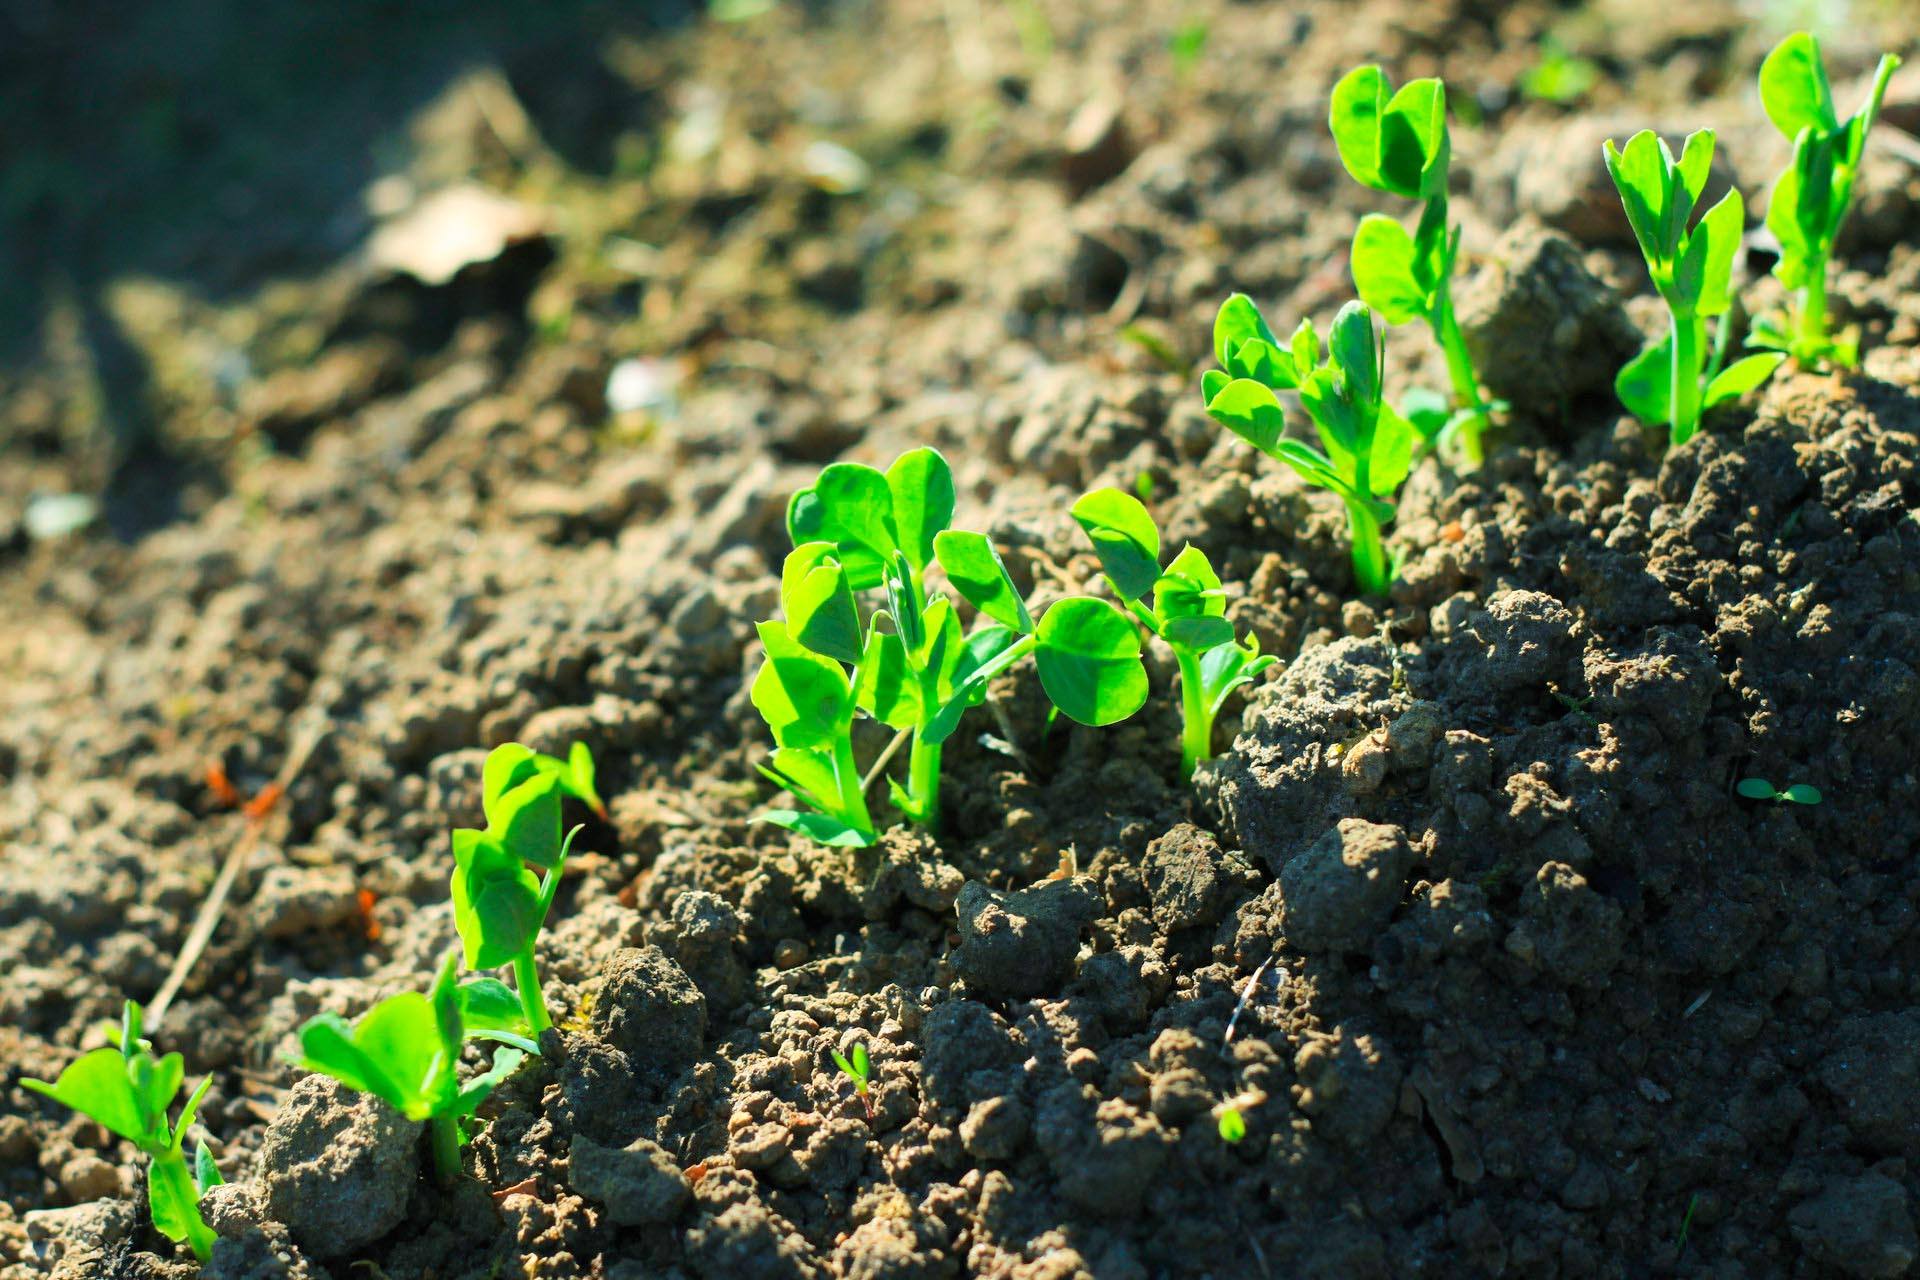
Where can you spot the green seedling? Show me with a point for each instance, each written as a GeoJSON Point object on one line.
{"type": "Point", "coordinates": [499, 904]}
{"type": "Point", "coordinates": [1182, 604]}
{"type": "Point", "coordinates": [129, 1092]}
{"type": "Point", "coordinates": [1811, 198]}
{"type": "Point", "coordinates": [1761, 789]}
{"type": "Point", "coordinates": [1368, 445]}
{"type": "Point", "coordinates": [1398, 143]}
{"type": "Point", "coordinates": [907, 663]}
{"type": "Point", "coordinates": [1233, 1125]}
{"type": "Point", "coordinates": [1674, 380]}
{"type": "Point", "coordinates": [1559, 76]}
{"type": "Point", "coordinates": [406, 1052]}
{"type": "Point", "coordinates": [574, 774]}
{"type": "Point", "coordinates": [859, 1069]}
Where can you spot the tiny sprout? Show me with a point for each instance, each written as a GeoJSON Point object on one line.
{"type": "Point", "coordinates": [858, 1069]}
{"type": "Point", "coordinates": [128, 1091]}
{"type": "Point", "coordinates": [1233, 1125]}
{"type": "Point", "coordinates": [1761, 789]}
{"type": "Point", "coordinates": [1677, 378]}
{"type": "Point", "coordinates": [406, 1052]}
{"type": "Point", "coordinates": [499, 904]}
{"type": "Point", "coordinates": [1810, 199]}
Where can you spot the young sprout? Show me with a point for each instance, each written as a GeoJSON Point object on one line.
{"type": "Point", "coordinates": [574, 774]}
{"type": "Point", "coordinates": [1368, 446]}
{"type": "Point", "coordinates": [499, 904]}
{"type": "Point", "coordinates": [1673, 381]}
{"type": "Point", "coordinates": [406, 1051]}
{"type": "Point", "coordinates": [1187, 610]}
{"type": "Point", "coordinates": [1761, 789]}
{"type": "Point", "coordinates": [859, 1070]}
{"type": "Point", "coordinates": [129, 1092]}
{"type": "Point", "coordinates": [1810, 198]}
{"type": "Point", "coordinates": [857, 529]}
{"type": "Point", "coordinates": [1398, 143]}
{"type": "Point", "coordinates": [1233, 1125]}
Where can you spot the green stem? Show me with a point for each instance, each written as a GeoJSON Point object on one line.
{"type": "Point", "coordinates": [526, 982]}
{"type": "Point", "coordinates": [1684, 384]}
{"type": "Point", "coordinates": [1466, 385]}
{"type": "Point", "coordinates": [1196, 735]}
{"type": "Point", "coordinates": [1372, 571]}
{"type": "Point", "coordinates": [445, 1132]}
{"type": "Point", "coordinates": [853, 796]}
{"type": "Point", "coordinates": [1813, 313]}
{"type": "Point", "coordinates": [923, 781]}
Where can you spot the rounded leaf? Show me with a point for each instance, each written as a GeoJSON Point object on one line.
{"type": "Point", "coordinates": [804, 698]}
{"type": "Point", "coordinates": [1237, 321]}
{"type": "Point", "coordinates": [1383, 269]}
{"type": "Point", "coordinates": [922, 486]}
{"type": "Point", "coordinates": [818, 602]}
{"type": "Point", "coordinates": [1089, 661]}
{"type": "Point", "coordinates": [1125, 539]}
{"type": "Point", "coordinates": [1794, 88]}
{"type": "Point", "coordinates": [980, 576]}
{"type": "Point", "coordinates": [851, 506]}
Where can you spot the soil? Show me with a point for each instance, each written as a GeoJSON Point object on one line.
{"type": "Point", "coordinates": [1466, 919]}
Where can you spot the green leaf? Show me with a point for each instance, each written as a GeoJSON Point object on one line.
{"type": "Point", "coordinates": [1237, 321]}
{"type": "Point", "coordinates": [1862, 122]}
{"type": "Point", "coordinates": [862, 1065]}
{"type": "Point", "coordinates": [1354, 115]}
{"type": "Point", "coordinates": [807, 774]}
{"type": "Point", "coordinates": [940, 655]}
{"type": "Point", "coordinates": [1645, 383]}
{"type": "Point", "coordinates": [189, 1111]}
{"type": "Point", "coordinates": [1089, 661]}
{"type": "Point", "coordinates": [1755, 789]}
{"type": "Point", "coordinates": [502, 919]}
{"type": "Point", "coordinates": [1414, 148]}
{"type": "Point", "coordinates": [579, 778]}
{"type": "Point", "coordinates": [1392, 454]}
{"type": "Point", "coordinates": [1706, 269]}
{"type": "Point", "coordinates": [1232, 1126]}
{"type": "Point", "coordinates": [818, 602]}
{"type": "Point", "coordinates": [206, 1173]}
{"type": "Point", "coordinates": [1802, 793]}
{"type": "Point", "coordinates": [529, 821]}
{"type": "Point", "coordinates": [980, 576]}
{"type": "Point", "coordinates": [851, 506]}
{"type": "Point", "coordinates": [508, 765]}
{"type": "Point", "coordinates": [1313, 466]}
{"type": "Point", "coordinates": [488, 1007]}
{"type": "Point", "coordinates": [1125, 539]}
{"type": "Point", "coordinates": [885, 686]}
{"type": "Point", "coordinates": [1740, 377]}
{"type": "Point", "coordinates": [819, 828]}
{"type": "Point", "coordinates": [1198, 634]}
{"type": "Point", "coordinates": [1383, 270]}
{"type": "Point", "coordinates": [506, 1061]}
{"type": "Point", "coordinates": [1797, 212]}
{"type": "Point", "coordinates": [1226, 668]}
{"type": "Point", "coordinates": [155, 1083]}
{"type": "Point", "coordinates": [804, 698]}
{"type": "Point", "coordinates": [1251, 411]}
{"type": "Point", "coordinates": [1639, 173]}
{"type": "Point", "coordinates": [1689, 181]}
{"type": "Point", "coordinates": [1189, 588]}
{"type": "Point", "coordinates": [921, 483]}
{"type": "Point", "coordinates": [98, 1086]}
{"type": "Point", "coordinates": [174, 1202]}
{"type": "Point", "coordinates": [1794, 88]}
{"type": "Point", "coordinates": [393, 1052]}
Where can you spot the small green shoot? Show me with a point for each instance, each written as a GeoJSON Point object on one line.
{"type": "Point", "coordinates": [1761, 789]}
{"type": "Point", "coordinates": [1187, 610]}
{"type": "Point", "coordinates": [1686, 1225]}
{"type": "Point", "coordinates": [499, 904]}
{"type": "Point", "coordinates": [1398, 143]}
{"type": "Point", "coordinates": [1156, 347]}
{"type": "Point", "coordinates": [406, 1051]}
{"type": "Point", "coordinates": [129, 1092]}
{"type": "Point", "coordinates": [1559, 76]}
{"type": "Point", "coordinates": [1676, 379]}
{"type": "Point", "coordinates": [1186, 45]}
{"type": "Point", "coordinates": [1368, 445]}
{"type": "Point", "coordinates": [859, 1069]}
{"type": "Point", "coordinates": [1811, 197]}
{"type": "Point", "coordinates": [1233, 1125]}
{"type": "Point", "coordinates": [858, 529]}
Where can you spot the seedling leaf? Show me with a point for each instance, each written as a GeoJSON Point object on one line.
{"type": "Point", "coordinates": [1089, 661]}
{"type": "Point", "coordinates": [1125, 539]}
{"type": "Point", "coordinates": [978, 574]}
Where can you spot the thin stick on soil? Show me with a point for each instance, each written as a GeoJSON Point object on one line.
{"type": "Point", "coordinates": [1246, 994]}
{"type": "Point", "coordinates": [886, 758]}
{"type": "Point", "coordinates": [210, 910]}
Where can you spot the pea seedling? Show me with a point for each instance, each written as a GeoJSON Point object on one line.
{"type": "Point", "coordinates": [859, 1069]}
{"type": "Point", "coordinates": [1188, 611]}
{"type": "Point", "coordinates": [857, 529]}
{"type": "Point", "coordinates": [1674, 380]}
{"type": "Point", "coordinates": [129, 1092]}
{"type": "Point", "coordinates": [499, 904]}
{"type": "Point", "coordinates": [1398, 143]}
{"type": "Point", "coordinates": [1761, 789]}
{"type": "Point", "coordinates": [1233, 1125]}
{"type": "Point", "coordinates": [1369, 446]}
{"type": "Point", "coordinates": [406, 1052]}
{"type": "Point", "coordinates": [574, 774]}
{"type": "Point", "coordinates": [1811, 197]}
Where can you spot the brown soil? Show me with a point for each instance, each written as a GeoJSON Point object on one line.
{"type": "Point", "coordinates": [1528, 990]}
